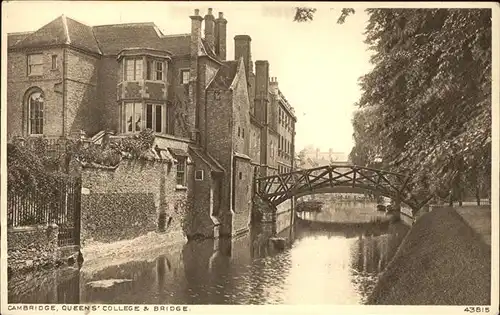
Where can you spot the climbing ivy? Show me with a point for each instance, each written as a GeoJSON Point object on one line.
{"type": "Point", "coordinates": [31, 167]}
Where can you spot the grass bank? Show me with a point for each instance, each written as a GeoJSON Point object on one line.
{"type": "Point", "coordinates": [441, 261]}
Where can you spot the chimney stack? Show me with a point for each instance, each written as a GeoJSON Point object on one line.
{"type": "Point", "coordinates": [220, 36]}
{"type": "Point", "coordinates": [194, 47]}
{"type": "Point", "coordinates": [273, 85]}
{"type": "Point", "coordinates": [261, 90]}
{"type": "Point", "coordinates": [242, 49]}
{"type": "Point", "coordinates": [209, 29]}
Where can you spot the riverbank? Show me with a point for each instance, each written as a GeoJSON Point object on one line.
{"type": "Point", "coordinates": [442, 261]}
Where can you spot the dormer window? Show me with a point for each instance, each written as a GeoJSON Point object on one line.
{"type": "Point", "coordinates": [133, 69]}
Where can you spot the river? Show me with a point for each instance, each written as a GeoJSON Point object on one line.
{"type": "Point", "coordinates": [324, 263]}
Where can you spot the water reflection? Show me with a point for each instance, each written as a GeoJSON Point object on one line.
{"type": "Point", "coordinates": [325, 263]}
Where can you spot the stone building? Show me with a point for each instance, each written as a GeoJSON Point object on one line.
{"type": "Point", "coordinates": [314, 157]}
{"type": "Point", "coordinates": [220, 121]}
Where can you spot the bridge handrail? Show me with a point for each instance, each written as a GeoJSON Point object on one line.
{"type": "Point", "coordinates": [352, 166]}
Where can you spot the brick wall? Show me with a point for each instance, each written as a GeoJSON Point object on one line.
{"type": "Point", "coordinates": [107, 90]}
{"type": "Point", "coordinates": [125, 203]}
{"type": "Point", "coordinates": [32, 246]}
{"type": "Point", "coordinates": [81, 107]}
{"type": "Point", "coordinates": [19, 83]}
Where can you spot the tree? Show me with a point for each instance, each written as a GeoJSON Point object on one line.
{"type": "Point", "coordinates": [431, 87]}
{"type": "Point", "coordinates": [301, 158]}
{"type": "Point", "coordinates": [425, 107]}
{"type": "Point", "coordinates": [305, 14]}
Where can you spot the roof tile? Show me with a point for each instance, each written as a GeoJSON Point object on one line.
{"type": "Point", "coordinates": [225, 75]}
{"type": "Point", "coordinates": [105, 39]}
{"type": "Point", "coordinates": [49, 34]}
{"type": "Point", "coordinates": [82, 36]}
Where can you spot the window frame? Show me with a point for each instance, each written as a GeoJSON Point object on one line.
{"type": "Point", "coordinates": [54, 62]}
{"type": "Point", "coordinates": [135, 72]}
{"type": "Point", "coordinates": [152, 71]}
{"type": "Point", "coordinates": [201, 178]}
{"type": "Point", "coordinates": [30, 64]}
{"type": "Point", "coordinates": [181, 161]}
{"type": "Point", "coordinates": [30, 111]}
{"type": "Point", "coordinates": [181, 72]}
{"type": "Point", "coordinates": [135, 110]}
{"type": "Point", "coordinates": [154, 115]}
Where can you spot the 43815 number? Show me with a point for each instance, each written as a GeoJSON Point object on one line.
{"type": "Point", "coordinates": [477, 309]}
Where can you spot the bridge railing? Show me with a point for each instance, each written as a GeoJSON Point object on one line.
{"type": "Point", "coordinates": [277, 188]}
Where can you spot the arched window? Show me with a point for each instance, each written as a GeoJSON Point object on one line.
{"type": "Point", "coordinates": [35, 112]}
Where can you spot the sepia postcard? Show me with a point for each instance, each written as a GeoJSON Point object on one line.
{"type": "Point", "coordinates": [249, 157]}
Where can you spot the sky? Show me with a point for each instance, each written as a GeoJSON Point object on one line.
{"type": "Point", "coordinates": [317, 63]}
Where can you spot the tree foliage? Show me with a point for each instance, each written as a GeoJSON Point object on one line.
{"type": "Point", "coordinates": [428, 97]}
{"type": "Point", "coordinates": [306, 14]}
{"type": "Point", "coordinates": [31, 166]}
{"type": "Point", "coordinates": [425, 108]}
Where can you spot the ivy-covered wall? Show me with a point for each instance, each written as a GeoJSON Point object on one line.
{"type": "Point", "coordinates": [125, 202]}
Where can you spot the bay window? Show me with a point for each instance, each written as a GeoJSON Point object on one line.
{"type": "Point", "coordinates": [136, 116]}
{"type": "Point", "coordinates": [133, 69]}
{"type": "Point", "coordinates": [156, 117]}
{"type": "Point", "coordinates": [155, 70]}
{"type": "Point", "coordinates": [133, 116]}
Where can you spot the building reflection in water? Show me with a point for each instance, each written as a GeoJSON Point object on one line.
{"type": "Point", "coordinates": [46, 287]}
{"type": "Point", "coordinates": [242, 270]}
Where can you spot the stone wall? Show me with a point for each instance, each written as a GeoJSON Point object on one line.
{"type": "Point", "coordinates": [205, 197]}
{"type": "Point", "coordinates": [242, 204]}
{"type": "Point", "coordinates": [125, 202]}
{"type": "Point", "coordinates": [283, 215]}
{"type": "Point", "coordinates": [32, 246]}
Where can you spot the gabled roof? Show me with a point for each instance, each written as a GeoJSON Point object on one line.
{"type": "Point", "coordinates": [53, 33]}
{"type": "Point", "coordinates": [102, 39]}
{"type": "Point", "coordinates": [225, 75]}
{"type": "Point", "coordinates": [61, 31]}
{"type": "Point", "coordinates": [82, 36]}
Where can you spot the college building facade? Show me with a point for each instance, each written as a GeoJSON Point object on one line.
{"type": "Point", "coordinates": [222, 121]}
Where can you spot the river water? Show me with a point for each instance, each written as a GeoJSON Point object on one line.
{"type": "Point", "coordinates": [324, 263]}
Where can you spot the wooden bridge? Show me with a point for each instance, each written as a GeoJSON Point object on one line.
{"type": "Point", "coordinates": [337, 178]}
